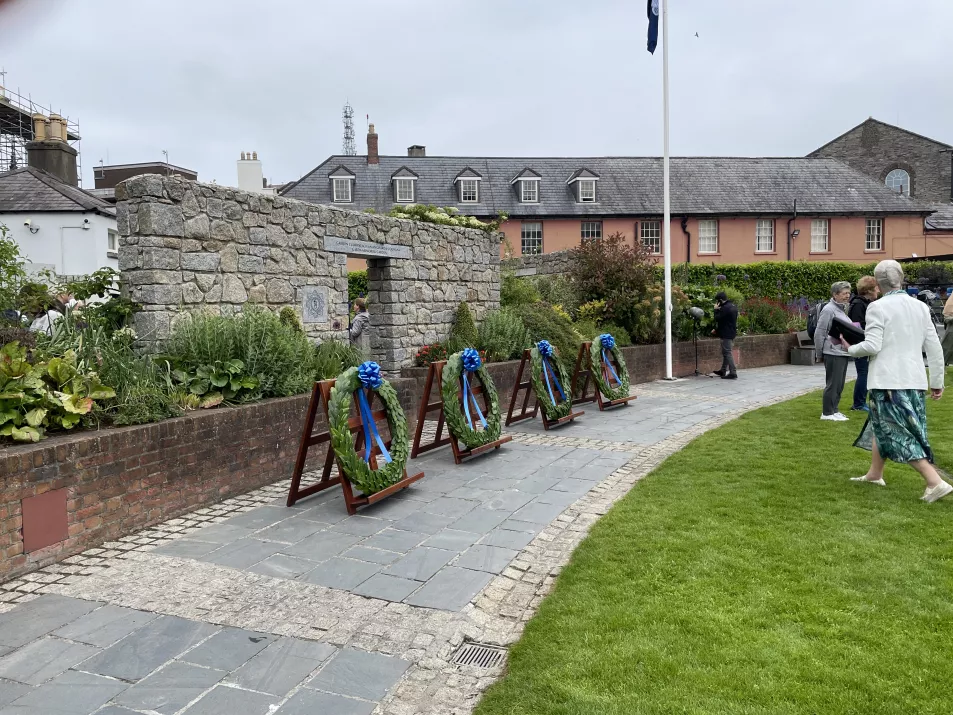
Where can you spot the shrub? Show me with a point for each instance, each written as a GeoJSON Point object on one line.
{"type": "Point", "coordinates": [593, 311]}
{"type": "Point", "coordinates": [431, 353]}
{"type": "Point", "coordinates": [611, 268]}
{"type": "Point", "coordinates": [516, 291]}
{"type": "Point", "coordinates": [766, 316]}
{"type": "Point", "coordinates": [621, 335]}
{"type": "Point", "coordinates": [357, 285]}
{"type": "Point", "coordinates": [543, 322]}
{"type": "Point", "coordinates": [586, 329]}
{"type": "Point", "coordinates": [933, 273]}
{"type": "Point", "coordinates": [447, 216]}
{"type": "Point", "coordinates": [502, 336]}
{"type": "Point", "coordinates": [289, 317]}
{"type": "Point", "coordinates": [11, 270]}
{"type": "Point", "coordinates": [557, 290]}
{"type": "Point", "coordinates": [111, 310]}
{"type": "Point", "coordinates": [644, 316]}
{"type": "Point", "coordinates": [463, 332]}
{"type": "Point", "coordinates": [333, 357]}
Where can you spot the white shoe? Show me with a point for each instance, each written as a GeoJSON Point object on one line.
{"type": "Point", "coordinates": [879, 482]}
{"type": "Point", "coordinates": [838, 417]}
{"type": "Point", "coordinates": [936, 493]}
{"type": "Point", "coordinates": [841, 417]}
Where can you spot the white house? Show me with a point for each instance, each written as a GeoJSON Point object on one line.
{"type": "Point", "coordinates": [57, 226]}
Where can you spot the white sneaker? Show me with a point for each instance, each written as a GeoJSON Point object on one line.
{"type": "Point", "coordinates": [936, 493]}
{"type": "Point", "coordinates": [879, 482]}
{"type": "Point", "coordinates": [841, 417]}
{"type": "Point", "coordinates": [829, 418]}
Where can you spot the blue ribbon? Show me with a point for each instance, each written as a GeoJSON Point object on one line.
{"type": "Point", "coordinates": [547, 371]}
{"type": "Point", "coordinates": [369, 373]}
{"type": "Point", "coordinates": [607, 341]}
{"type": "Point", "coordinates": [608, 363]}
{"type": "Point", "coordinates": [471, 361]}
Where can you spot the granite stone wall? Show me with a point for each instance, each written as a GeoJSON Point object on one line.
{"type": "Point", "coordinates": [186, 246]}
{"type": "Point", "coordinates": [543, 264]}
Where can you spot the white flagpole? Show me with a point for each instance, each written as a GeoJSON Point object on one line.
{"type": "Point", "coordinates": [667, 209]}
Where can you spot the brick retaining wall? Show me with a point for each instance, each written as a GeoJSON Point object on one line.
{"type": "Point", "coordinates": [82, 489]}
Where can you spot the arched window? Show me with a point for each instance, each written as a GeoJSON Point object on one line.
{"type": "Point", "coordinates": [899, 181]}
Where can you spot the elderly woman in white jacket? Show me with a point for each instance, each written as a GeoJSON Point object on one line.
{"type": "Point", "coordinates": [899, 330]}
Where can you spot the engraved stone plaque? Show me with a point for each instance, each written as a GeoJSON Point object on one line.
{"type": "Point", "coordinates": [314, 304]}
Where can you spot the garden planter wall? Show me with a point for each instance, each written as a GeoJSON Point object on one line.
{"type": "Point", "coordinates": [102, 485]}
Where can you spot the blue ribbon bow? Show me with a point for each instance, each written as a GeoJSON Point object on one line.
{"type": "Point", "coordinates": [546, 352]}
{"type": "Point", "coordinates": [471, 361]}
{"type": "Point", "coordinates": [608, 343]}
{"type": "Point", "coordinates": [369, 373]}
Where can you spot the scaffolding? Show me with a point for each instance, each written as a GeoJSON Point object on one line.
{"type": "Point", "coordinates": [348, 147]}
{"type": "Point", "coordinates": [16, 129]}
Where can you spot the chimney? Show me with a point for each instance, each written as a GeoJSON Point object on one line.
{"type": "Point", "coordinates": [417, 151]}
{"type": "Point", "coordinates": [372, 155]}
{"type": "Point", "coordinates": [49, 151]}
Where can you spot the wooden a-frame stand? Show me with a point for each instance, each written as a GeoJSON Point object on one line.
{"type": "Point", "coordinates": [527, 385]}
{"type": "Point", "coordinates": [435, 375]}
{"type": "Point", "coordinates": [320, 395]}
{"type": "Point", "coordinates": [583, 370]}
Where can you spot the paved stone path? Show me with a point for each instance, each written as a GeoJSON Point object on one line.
{"type": "Point", "coordinates": [249, 607]}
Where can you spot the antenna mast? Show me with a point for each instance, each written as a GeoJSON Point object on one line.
{"type": "Point", "coordinates": [348, 147]}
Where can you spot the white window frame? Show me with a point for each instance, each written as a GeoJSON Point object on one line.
{"type": "Point", "coordinates": [524, 185]}
{"type": "Point", "coordinates": [467, 185]}
{"type": "Point", "coordinates": [338, 182]}
{"type": "Point", "coordinates": [898, 186]}
{"type": "Point", "coordinates": [112, 241]}
{"type": "Point", "coordinates": [587, 191]}
{"type": "Point", "coordinates": [401, 184]}
{"type": "Point", "coordinates": [707, 231]}
{"type": "Point", "coordinates": [764, 230]}
{"type": "Point", "coordinates": [590, 230]}
{"type": "Point", "coordinates": [654, 235]}
{"type": "Point", "coordinates": [524, 238]}
{"type": "Point", "coordinates": [874, 235]}
{"type": "Point", "coordinates": [820, 231]}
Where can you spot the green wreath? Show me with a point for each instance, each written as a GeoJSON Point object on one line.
{"type": "Point", "coordinates": [357, 471]}
{"type": "Point", "coordinates": [452, 410]}
{"type": "Point", "coordinates": [607, 342]}
{"type": "Point", "coordinates": [563, 407]}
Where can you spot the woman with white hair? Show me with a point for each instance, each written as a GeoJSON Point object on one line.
{"type": "Point", "coordinates": [899, 330]}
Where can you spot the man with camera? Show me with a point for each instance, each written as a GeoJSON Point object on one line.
{"type": "Point", "coordinates": [726, 322]}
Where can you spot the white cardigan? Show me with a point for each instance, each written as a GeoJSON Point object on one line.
{"type": "Point", "coordinates": [899, 330]}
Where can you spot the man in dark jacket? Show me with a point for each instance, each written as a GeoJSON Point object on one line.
{"type": "Point", "coordinates": [867, 292]}
{"type": "Point", "coordinates": [726, 321]}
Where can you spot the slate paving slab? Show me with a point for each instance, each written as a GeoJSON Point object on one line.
{"type": "Point", "coordinates": [452, 540]}
{"type": "Point", "coordinates": [43, 659]}
{"type": "Point", "coordinates": [420, 564]}
{"type": "Point", "coordinates": [282, 566]}
{"type": "Point", "coordinates": [223, 700]}
{"type": "Point", "coordinates": [321, 546]}
{"type": "Point", "coordinates": [242, 553]}
{"type": "Point", "coordinates": [105, 626]}
{"type": "Point", "coordinates": [281, 666]}
{"type": "Point", "coordinates": [71, 693]}
{"type": "Point", "coordinates": [396, 540]}
{"type": "Point", "coordinates": [39, 617]}
{"type": "Point", "coordinates": [10, 691]}
{"type": "Point", "coordinates": [371, 556]}
{"type": "Point", "coordinates": [338, 572]}
{"type": "Point", "coordinates": [359, 674]}
{"type": "Point", "coordinates": [229, 648]}
{"type": "Point", "coordinates": [310, 702]}
{"type": "Point", "coordinates": [171, 688]}
{"type": "Point", "coordinates": [450, 589]}
{"type": "Point", "coordinates": [492, 559]}
{"type": "Point", "coordinates": [386, 587]}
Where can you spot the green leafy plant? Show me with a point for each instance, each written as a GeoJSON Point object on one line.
{"type": "Point", "coordinates": [593, 310]}
{"type": "Point", "coordinates": [516, 291]}
{"type": "Point", "coordinates": [218, 382]}
{"type": "Point", "coordinates": [502, 336]}
{"type": "Point", "coordinates": [430, 354]}
{"type": "Point", "coordinates": [357, 284]}
{"type": "Point", "coordinates": [446, 216]}
{"type": "Point", "coordinates": [559, 290]}
{"type": "Point", "coordinates": [463, 332]}
{"type": "Point", "coordinates": [12, 274]}
{"type": "Point", "coordinates": [543, 322]}
{"type": "Point", "coordinates": [766, 316]}
{"type": "Point", "coordinates": [289, 317]}
{"type": "Point", "coordinates": [332, 357]}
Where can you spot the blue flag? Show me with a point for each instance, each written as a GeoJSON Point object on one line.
{"type": "Point", "coordinates": [653, 24]}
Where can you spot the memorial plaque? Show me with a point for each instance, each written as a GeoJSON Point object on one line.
{"type": "Point", "coordinates": [314, 304]}
{"type": "Point", "coordinates": [365, 249]}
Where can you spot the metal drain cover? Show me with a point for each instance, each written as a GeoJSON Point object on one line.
{"type": "Point", "coordinates": [479, 655]}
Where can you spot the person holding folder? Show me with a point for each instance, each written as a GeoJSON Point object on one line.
{"type": "Point", "coordinates": [831, 325]}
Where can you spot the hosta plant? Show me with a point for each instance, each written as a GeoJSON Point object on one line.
{"type": "Point", "coordinates": [218, 382]}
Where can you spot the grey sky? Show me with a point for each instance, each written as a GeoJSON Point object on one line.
{"type": "Point", "coordinates": [207, 79]}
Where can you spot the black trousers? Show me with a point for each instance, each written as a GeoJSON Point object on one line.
{"type": "Point", "coordinates": [836, 369]}
{"type": "Point", "coordinates": [727, 359]}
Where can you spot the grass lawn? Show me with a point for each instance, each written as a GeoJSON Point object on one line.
{"type": "Point", "coordinates": [748, 575]}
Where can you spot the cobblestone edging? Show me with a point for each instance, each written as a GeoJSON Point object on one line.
{"type": "Point", "coordinates": [124, 573]}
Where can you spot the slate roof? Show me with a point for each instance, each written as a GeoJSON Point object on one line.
{"type": "Point", "coordinates": [32, 190]}
{"type": "Point", "coordinates": [893, 127]}
{"type": "Point", "coordinates": [942, 220]}
{"type": "Point", "coordinates": [628, 186]}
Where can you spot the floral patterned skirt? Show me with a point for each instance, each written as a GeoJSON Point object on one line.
{"type": "Point", "coordinates": [898, 421]}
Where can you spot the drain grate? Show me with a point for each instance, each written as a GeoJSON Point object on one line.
{"type": "Point", "coordinates": [479, 655]}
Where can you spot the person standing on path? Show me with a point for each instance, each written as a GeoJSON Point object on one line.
{"type": "Point", "coordinates": [867, 292]}
{"type": "Point", "coordinates": [833, 354]}
{"type": "Point", "coordinates": [726, 320]}
{"type": "Point", "coordinates": [358, 330]}
{"type": "Point", "coordinates": [948, 334]}
{"type": "Point", "coordinates": [899, 330]}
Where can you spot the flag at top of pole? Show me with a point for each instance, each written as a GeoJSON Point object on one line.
{"type": "Point", "coordinates": [657, 8]}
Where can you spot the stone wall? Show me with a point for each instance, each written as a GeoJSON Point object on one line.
{"type": "Point", "coordinates": [543, 264]}
{"type": "Point", "coordinates": [187, 246]}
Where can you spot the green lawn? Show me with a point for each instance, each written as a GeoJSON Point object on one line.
{"type": "Point", "coordinates": [748, 575]}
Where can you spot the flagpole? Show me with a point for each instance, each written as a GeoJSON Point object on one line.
{"type": "Point", "coordinates": [667, 209]}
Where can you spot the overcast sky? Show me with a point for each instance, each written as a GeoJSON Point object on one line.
{"type": "Point", "coordinates": [207, 79]}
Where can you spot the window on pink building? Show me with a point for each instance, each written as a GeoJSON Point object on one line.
{"type": "Point", "coordinates": [531, 238]}
{"type": "Point", "coordinates": [708, 236]}
{"type": "Point", "coordinates": [650, 233]}
{"type": "Point", "coordinates": [591, 230]}
{"type": "Point", "coordinates": [764, 236]}
{"type": "Point", "coordinates": [820, 236]}
{"type": "Point", "coordinates": [875, 235]}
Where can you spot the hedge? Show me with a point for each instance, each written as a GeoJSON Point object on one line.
{"type": "Point", "coordinates": [356, 284]}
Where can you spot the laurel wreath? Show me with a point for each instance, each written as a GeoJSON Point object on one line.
{"type": "Point", "coordinates": [357, 471]}
{"type": "Point", "coordinates": [560, 409]}
{"type": "Point", "coordinates": [453, 410]}
{"type": "Point", "coordinates": [595, 364]}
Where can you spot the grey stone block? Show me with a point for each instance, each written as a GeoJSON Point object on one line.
{"type": "Point", "coordinates": [200, 261]}
{"type": "Point", "coordinates": [448, 506]}
{"type": "Point", "coordinates": [424, 523]}
{"type": "Point", "coordinates": [281, 666]}
{"type": "Point", "coordinates": [492, 559]}
{"type": "Point", "coordinates": [310, 702]}
{"type": "Point", "coordinates": [71, 692]}
{"type": "Point", "coordinates": [281, 566]}
{"type": "Point", "coordinates": [10, 691]}
{"type": "Point", "coordinates": [388, 588]}
{"type": "Point", "coordinates": [160, 258]}
{"type": "Point", "coordinates": [481, 520]}
{"type": "Point", "coordinates": [395, 540]}
{"type": "Point", "coordinates": [358, 674]}
{"type": "Point", "coordinates": [370, 555]}
{"type": "Point", "coordinates": [259, 518]}
{"type": "Point", "coordinates": [170, 689]}
{"type": "Point", "coordinates": [290, 531]}
{"type": "Point", "coordinates": [361, 525]}
{"type": "Point", "coordinates": [522, 526]}
{"type": "Point", "coordinates": [509, 500]}
{"type": "Point", "coordinates": [515, 540]}
{"type": "Point", "coordinates": [321, 546]}
{"type": "Point", "coordinates": [40, 616]}
{"type": "Point", "coordinates": [161, 220]}
{"type": "Point", "coordinates": [229, 648]}
{"type": "Point", "coordinates": [251, 264]}
{"type": "Point", "coordinates": [197, 227]}
{"type": "Point", "coordinates": [538, 513]}
{"type": "Point", "coordinates": [105, 626]}
{"type": "Point", "coordinates": [242, 553]}
{"type": "Point", "coordinates": [452, 540]}
{"type": "Point", "coordinates": [137, 655]}
{"type": "Point", "coordinates": [450, 589]}
{"type": "Point", "coordinates": [222, 700]}
{"type": "Point", "coordinates": [341, 573]}
{"type": "Point", "coordinates": [43, 659]}
{"type": "Point", "coordinates": [420, 564]}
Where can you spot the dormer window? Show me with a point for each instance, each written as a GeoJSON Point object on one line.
{"type": "Point", "coordinates": [342, 190]}
{"type": "Point", "coordinates": [468, 186]}
{"type": "Point", "coordinates": [583, 182]}
{"type": "Point", "coordinates": [405, 186]}
{"type": "Point", "coordinates": [527, 186]}
{"type": "Point", "coordinates": [342, 185]}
